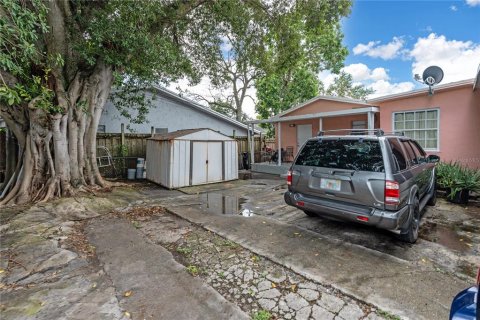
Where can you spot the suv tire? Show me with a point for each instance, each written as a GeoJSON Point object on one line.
{"type": "Point", "coordinates": [410, 235]}
{"type": "Point", "coordinates": [310, 213]}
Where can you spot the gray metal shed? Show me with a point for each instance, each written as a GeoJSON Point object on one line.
{"type": "Point", "coordinates": [191, 157]}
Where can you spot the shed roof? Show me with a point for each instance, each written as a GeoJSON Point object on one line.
{"type": "Point", "coordinates": [200, 134]}
{"type": "Point", "coordinates": [175, 134]}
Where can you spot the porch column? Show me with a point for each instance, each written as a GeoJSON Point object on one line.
{"type": "Point", "coordinates": [279, 147]}
{"type": "Point", "coordinates": [252, 149]}
{"type": "Point", "coordinates": [248, 139]}
{"type": "Point", "coordinates": [320, 124]}
{"type": "Point", "coordinates": [371, 120]}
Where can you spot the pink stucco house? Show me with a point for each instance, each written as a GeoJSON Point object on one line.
{"type": "Point", "coordinates": [446, 123]}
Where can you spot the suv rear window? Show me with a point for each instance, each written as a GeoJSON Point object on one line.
{"type": "Point", "coordinates": [358, 154]}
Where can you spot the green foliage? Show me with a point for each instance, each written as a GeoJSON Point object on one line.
{"type": "Point", "coordinates": [343, 87]}
{"type": "Point", "coordinates": [387, 315]}
{"type": "Point", "coordinates": [193, 270]}
{"type": "Point", "coordinates": [122, 150]}
{"type": "Point", "coordinates": [266, 41]}
{"type": "Point", "coordinates": [262, 315]}
{"type": "Point", "coordinates": [20, 29]}
{"type": "Point", "coordinates": [184, 250]}
{"type": "Point", "coordinates": [455, 177]}
{"type": "Point", "coordinates": [156, 42]}
{"type": "Point", "coordinates": [276, 94]}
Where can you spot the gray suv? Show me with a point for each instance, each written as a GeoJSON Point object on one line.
{"type": "Point", "coordinates": [375, 179]}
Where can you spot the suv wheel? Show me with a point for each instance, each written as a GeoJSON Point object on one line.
{"type": "Point", "coordinates": [410, 235]}
{"type": "Point", "coordinates": [310, 213]}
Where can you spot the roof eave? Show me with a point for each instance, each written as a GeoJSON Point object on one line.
{"type": "Point", "coordinates": [412, 93]}
{"type": "Point", "coordinates": [328, 98]}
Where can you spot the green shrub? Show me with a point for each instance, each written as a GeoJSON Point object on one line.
{"type": "Point", "coordinates": [455, 177]}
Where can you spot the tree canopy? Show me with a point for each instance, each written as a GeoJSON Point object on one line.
{"type": "Point", "coordinates": [343, 86]}
{"type": "Point", "coordinates": [294, 33]}
{"type": "Point", "coordinates": [60, 59]}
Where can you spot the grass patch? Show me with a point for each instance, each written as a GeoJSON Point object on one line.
{"type": "Point", "coordinates": [387, 315]}
{"type": "Point", "coordinates": [262, 315]}
{"type": "Point", "coordinates": [136, 224]}
{"type": "Point", "coordinates": [184, 250]}
{"type": "Point", "coordinates": [193, 270]}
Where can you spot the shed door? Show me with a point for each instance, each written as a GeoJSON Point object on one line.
{"type": "Point", "coordinates": [215, 165]}
{"type": "Point", "coordinates": [207, 165]}
{"type": "Point", "coordinates": [199, 162]}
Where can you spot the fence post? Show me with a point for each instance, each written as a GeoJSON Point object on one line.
{"type": "Point", "coordinates": [152, 131]}
{"type": "Point", "coordinates": [122, 137]}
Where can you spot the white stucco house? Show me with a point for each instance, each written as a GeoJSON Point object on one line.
{"type": "Point", "coordinates": [172, 112]}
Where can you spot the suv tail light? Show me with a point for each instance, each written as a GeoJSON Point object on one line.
{"type": "Point", "coordinates": [289, 177]}
{"type": "Point", "coordinates": [392, 192]}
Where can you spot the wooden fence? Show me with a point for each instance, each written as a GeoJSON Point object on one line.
{"type": "Point", "coordinates": [135, 146]}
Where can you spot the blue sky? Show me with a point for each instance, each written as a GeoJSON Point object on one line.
{"type": "Point", "coordinates": [399, 38]}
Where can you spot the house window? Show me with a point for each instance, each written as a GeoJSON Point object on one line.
{"type": "Point", "coordinates": [101, 128]}
{"type": "Point", "coordinates": [420, 125]}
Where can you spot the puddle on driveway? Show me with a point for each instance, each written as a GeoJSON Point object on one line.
{"type": "Point", "coordinates": [222, 204]}
{"type": "Point", "coordinates": [445, 236]}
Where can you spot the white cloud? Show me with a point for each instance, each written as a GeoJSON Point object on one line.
{"type": "Point", "coordinates": [458, 59]}
{"type": "Point", "coordinates": [453, 8]}
{"type": "Point", "coordinates": [327, 78]}
{"type": "Point", "coordinates": [360, 72]}
{"type": "Point", "coordinates": [473, 3]}
{"type": "Point", "coordinates": [376, 50]}
{"type": "Point", "coordinates": [379, 74]}
{"type": "Point", "coordinates": [383, 87]}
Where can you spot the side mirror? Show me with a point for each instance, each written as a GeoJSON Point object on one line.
{"type": "Point", "coordinates": [433, 158]}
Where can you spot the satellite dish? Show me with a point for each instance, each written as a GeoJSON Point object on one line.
{"type": "Point", "coordinates": [431, 76]}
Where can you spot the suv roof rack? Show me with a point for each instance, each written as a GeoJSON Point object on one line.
{"type": "Point", "coordinates": [368, 132]}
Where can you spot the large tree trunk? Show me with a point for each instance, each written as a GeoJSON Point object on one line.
{"type": "Point", "coordinates": [58, 151]}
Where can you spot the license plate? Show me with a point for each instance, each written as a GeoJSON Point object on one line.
{"type": "Point", "coordinates": [331, 184]}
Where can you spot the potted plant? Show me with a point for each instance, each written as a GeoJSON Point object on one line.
{"type": "Point", "coordinates": [458, 181]}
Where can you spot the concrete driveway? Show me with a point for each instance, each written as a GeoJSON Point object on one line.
{"type": "Point", "coordinates": [414, 281]}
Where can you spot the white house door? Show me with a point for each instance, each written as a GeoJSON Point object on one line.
{"type": "Point", "coordinates": [207, 163]}
{"type": "Point", "coordinates": [304, 132]}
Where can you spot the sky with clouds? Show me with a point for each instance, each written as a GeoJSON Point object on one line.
{"type": "Point", "coordinates": [390, 41]}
